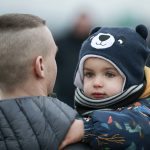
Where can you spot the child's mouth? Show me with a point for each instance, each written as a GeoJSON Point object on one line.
{"type": "Point", "coordinates": [98, 95]}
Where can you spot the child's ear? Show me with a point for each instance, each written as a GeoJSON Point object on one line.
{"type": "Point", "coordinates": [94, 30]}
{"type": "Point", "coordinates": [39, 67]}
{"type": "Point", "coordinates": [142, 30]}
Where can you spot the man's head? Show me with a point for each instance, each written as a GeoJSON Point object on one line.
{"type": "Point", "coordinates": [27, 53]}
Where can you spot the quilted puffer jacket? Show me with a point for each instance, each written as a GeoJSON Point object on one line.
{"type": "Point", "coordinates": [34, 123]}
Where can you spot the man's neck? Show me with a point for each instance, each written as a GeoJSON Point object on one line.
{"type": "Point", "coordinates": [12, 95]}
{"type": "Point", "coordinates": [22, 92]}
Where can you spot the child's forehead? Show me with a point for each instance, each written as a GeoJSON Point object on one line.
{"type": "Point", "coordinates": [98, 63]}
{"type": "Point", "coordinates": [97, 60]}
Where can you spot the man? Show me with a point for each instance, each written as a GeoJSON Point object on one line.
{"type": "Point", "coordinates": [29, 120]}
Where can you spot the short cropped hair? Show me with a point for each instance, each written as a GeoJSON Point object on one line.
{"type": "Point", "coordinates": [20, 21]}
{"type": "Point", "coordinates": [21, 37]}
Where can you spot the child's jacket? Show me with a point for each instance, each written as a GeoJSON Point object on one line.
{"type": "Point", "coordinates": [126, 128]}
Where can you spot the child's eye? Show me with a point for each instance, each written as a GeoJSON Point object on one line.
{"type": "Point", "coordinates": [110, 75]}
{"type": "Point", "coordinates": [88, 74]}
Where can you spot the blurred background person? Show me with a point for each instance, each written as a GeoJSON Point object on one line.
{"type": "Point", "coordinates": [68, 49]}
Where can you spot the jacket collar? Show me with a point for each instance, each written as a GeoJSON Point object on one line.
{"type": "Point", "coordinates": [146, 92]}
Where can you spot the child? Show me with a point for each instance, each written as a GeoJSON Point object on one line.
{"type": "Point", "coordinates": [113, 88]}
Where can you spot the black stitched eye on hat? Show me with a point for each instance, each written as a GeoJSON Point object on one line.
{"type": "Point", "coordinates": [121, 40]}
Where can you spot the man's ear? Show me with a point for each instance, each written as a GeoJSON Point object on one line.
{"type": "Point", "coordinates": [39, 67]}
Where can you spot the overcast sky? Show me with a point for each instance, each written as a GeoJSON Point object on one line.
{"type": "Point", "coordinates": [60, 13]}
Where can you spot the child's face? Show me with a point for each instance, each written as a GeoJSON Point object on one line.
{"type": "Point", "coordinates": [101, 79]}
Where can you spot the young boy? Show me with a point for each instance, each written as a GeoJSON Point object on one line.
{"type": "Point", "coordinates": [113, 89]}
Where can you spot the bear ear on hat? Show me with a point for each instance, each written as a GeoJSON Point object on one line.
{"type": "Point", "coordinates": [94, 30]}
{"type": "Point", "coordinates": [142, 30]}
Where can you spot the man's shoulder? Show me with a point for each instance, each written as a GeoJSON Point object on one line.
{"type": "Point", "coordinates": [42, 102]}
{"type": "Point", "coordinates": [42, 114]}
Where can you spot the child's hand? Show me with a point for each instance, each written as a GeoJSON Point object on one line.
{"type": "Point", "coordinates": [75, 134]}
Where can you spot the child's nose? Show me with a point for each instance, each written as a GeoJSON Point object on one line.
{"type": "Point", "coordinates": [98, 82]}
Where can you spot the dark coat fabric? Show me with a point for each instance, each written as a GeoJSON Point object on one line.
{"type": "Point", "coordinates": [34, 123]}
{"type": "Point", "coordinates": [126, 128]}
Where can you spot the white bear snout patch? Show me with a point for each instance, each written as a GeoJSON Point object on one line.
{"type": "Point", "coordinates": [102, 40]}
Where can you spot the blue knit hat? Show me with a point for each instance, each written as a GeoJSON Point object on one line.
{"type": "Point", "coordinates": [125, 48]}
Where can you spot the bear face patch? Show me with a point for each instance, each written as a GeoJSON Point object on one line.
{"type": "Point", "coordinates": [102, 40]}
